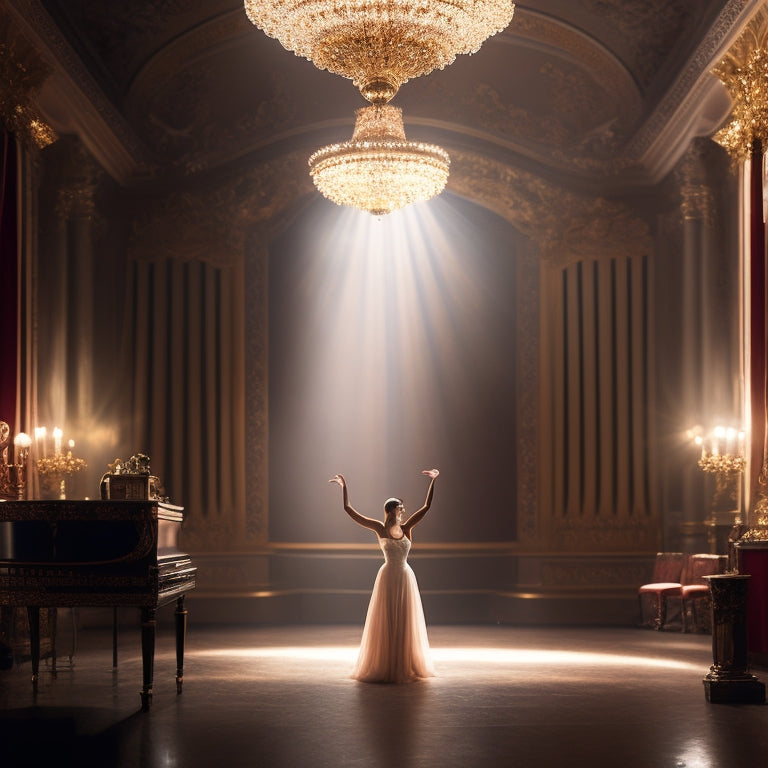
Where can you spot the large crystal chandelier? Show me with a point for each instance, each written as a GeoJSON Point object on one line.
{"type": "Point", "coordinates": [378, 170]}
{"type": "Point", "coordinates": [380, 44]}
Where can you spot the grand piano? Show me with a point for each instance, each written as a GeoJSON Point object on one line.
{"type": "Point", "coordinates": [110, 553]}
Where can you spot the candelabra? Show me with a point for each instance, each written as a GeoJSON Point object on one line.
{"type": "Point", "coordinates": [57, 467]}
{"type": "Point", "coordinates": [725, 466]}
{"type": "Point", "coordinates": [727, 469]}
{"type": "Point", "coordinates": [13, 470]}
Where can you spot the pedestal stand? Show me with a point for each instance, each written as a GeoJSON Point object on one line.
{"type": "Point", "coordinates": [728, 681]}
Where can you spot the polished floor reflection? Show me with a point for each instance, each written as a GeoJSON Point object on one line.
{"type": "Point", "coordinates": [503, 696]}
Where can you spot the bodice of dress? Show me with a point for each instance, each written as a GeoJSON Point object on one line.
{"type": "Point", "coordinates": [395, 550]}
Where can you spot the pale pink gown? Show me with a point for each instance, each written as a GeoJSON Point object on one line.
{"type": "Point", "coordinates": [394, 647]}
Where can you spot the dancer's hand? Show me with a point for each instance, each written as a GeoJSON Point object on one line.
{"type": "Point", "coordinates": [339, 480]}
{"type": "Point", "coordinates": [433, 473]}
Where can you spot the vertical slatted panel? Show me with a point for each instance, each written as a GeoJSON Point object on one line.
{"type": "Point", "coordinates": [607, 387]}
{"type": "Point", "coordinates": [623, 383]}
{"type": "Point", "coordinates": [589, 361]}
{"type": "Point", "coordinates": [601, 406]}
{"type": "Point", "coordinates": [189, 360]}
{"type": "Point", "coordinates": [194, 378]}
{"type": "Point", "coordinates": [210, 388]}
{"type": "Point", "coordinates": [555, 317]}
{"type": "Point", "coordinates": [236, 437]}
{"type": "Point", "coordinates": [573, 437]}
{"type": "Point", "coordinates": [160, 438]}
{"type": "Point", "coordinates": [176, 377]}
{"type": "Point", "coordinates": [227, 337]}
{"type": "Point", "coordinates": [141, 361]}
{"type": "Point", "coordinates": [638, 401]}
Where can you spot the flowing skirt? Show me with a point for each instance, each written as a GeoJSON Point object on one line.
{"type": "Point", "coordinates": [394, 647]}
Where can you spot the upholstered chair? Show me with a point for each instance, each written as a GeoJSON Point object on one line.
{"type": "Point", "coordinates": [657, 611]}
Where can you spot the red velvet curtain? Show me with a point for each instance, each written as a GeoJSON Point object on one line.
{"type": "Point", "coordinates": [755, 563]}
{"type": "Point", "coordinates": [9, 300]}
{"type": "Point", "coordinates": [758, 350]}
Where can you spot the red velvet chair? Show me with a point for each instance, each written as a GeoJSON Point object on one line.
{"type": "Point", "coordinates": [695, 592]}
{"type": "Point", "coordinates": [656, 611]}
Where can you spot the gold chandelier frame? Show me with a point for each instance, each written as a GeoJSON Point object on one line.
{"type": "Point", "coordinates": [380, 44]}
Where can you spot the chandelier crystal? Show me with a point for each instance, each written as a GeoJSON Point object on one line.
{"type": "Point", "coordinates": [378, 170]}
{"type": "Point", "coordinates": [380, 44]}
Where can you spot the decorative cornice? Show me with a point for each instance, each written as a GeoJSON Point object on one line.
{"type": "Point", "coordinates": [661, 135]}
{"type": "Point", "coordinates": [100, 124]}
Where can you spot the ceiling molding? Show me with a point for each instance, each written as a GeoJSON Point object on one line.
{"type": "Point", "coordinates": [661, 141]}
{"type": "Point", "coordinates": [71, 91]}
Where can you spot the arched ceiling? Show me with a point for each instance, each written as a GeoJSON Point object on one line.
{"type": "Point", "coordinates": [598, 94]}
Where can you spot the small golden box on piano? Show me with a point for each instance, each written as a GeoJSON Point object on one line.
{"type": "Point", "coordinates": [132, 487]}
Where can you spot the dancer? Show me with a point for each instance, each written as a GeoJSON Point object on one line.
{"type": "Point", "coordinates": [394, 647]}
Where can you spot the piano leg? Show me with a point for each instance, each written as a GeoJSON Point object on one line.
{"type": "Point", "coordinates": [181, 637]}
{"type": "Point", "coordinates": [148, 626]}
{"type": "Point", "coordinates": [33, 615]}
{"type": "Point", "coordinates": [114, 638]}
{"type": "Point", "coordinates": [53, 623]}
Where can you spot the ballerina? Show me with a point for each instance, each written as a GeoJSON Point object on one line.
{"type": "Point", "coordinates": [394, 647]}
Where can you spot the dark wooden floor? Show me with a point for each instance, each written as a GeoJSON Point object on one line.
{"type": "Point", "coordinates": [271, 696]}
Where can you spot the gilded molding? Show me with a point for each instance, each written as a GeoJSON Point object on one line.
{"type": "Point", "coordinates": [743, 71]}
{"type": "Point", "coordinates": [668, 121]}
{"type": "Point", "coordinates": [649, 24]}
{"type": "Point", "coordinates": [80, 173]}
{"type": "Point", "coordinates": [588, 573]}
{"type": "Point", "coordinates": [257, 386]}
{"type": "Point", "coordinates": [604, 66]}
{"type": "Point", "coordinates": [203, 144]}
{"type": "Point", "coordinates": [527, 390]}
{"type": "Point", "coordinates": [567, 228]}
{"type": "Point", "coordinates": [696, 198]}
{"type": "Point", "coordinates": [602, 533]}
{"type": "Point", "coordinates": [177, 55]}
{"type": "Point", "coordinates": [22, 74]}
{"type": "Point", "coordinates": [211, 224]}
{"type": "Point", "coordinates": [210, 534]}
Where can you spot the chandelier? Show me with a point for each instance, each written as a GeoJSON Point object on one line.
{"type": "Point", "coordinates": [378, 170]}
{"type": "Point", "coordinates": [380, 44]}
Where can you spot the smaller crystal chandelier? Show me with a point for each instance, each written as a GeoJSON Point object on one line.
{"type": "Point", "coordinates": [378, 170]}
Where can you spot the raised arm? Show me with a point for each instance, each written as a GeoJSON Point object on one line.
{"type": "Point", "coordinates": [417, 516]}
{"type": "Point", "coordinates": [366, 522]}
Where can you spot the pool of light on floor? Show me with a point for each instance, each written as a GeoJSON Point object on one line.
{"type": "Point", "coordinates": [460, 655]}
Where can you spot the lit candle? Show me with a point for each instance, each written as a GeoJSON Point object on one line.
{"type": "Point", "coordinates": [730, 434]}
{"type": "Point", "coordinates": [40, 434]}
{"type": "Point", "coordinates": [22, 441]}
{"type": "Point", "coordinates": [57, 441]}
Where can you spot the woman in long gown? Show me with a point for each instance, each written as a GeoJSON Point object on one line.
{"type": "Point", "coordinates": [394, 647]}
